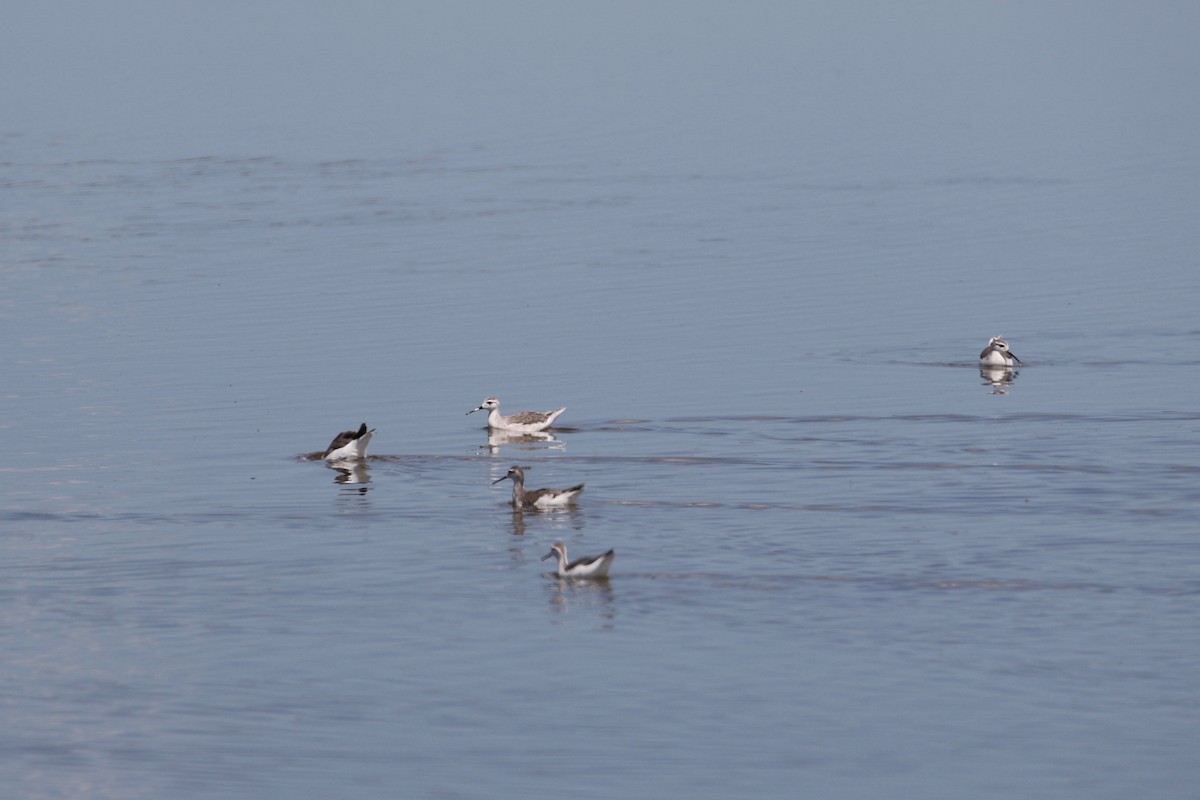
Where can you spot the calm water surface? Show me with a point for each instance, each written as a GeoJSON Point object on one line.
{"type": "Point", "coordinates": [848, 564]}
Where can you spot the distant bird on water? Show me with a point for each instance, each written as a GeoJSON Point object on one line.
{"type": "Point", "coordinates": [538, 498]}
{"type": "Point", "coordinates": [521, 422]}
{"type": "Point", "coordinates": [349, 445]}
{"type": "Point", "coordinates": [586, 567]}
{"type": "Point", "coordinates": [997, 354]}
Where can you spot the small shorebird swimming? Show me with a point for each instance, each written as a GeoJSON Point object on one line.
{"type": "Point", "coordinates": [522, 422]}
{"type": "Point", "coordinates": [997, 354]}
{"type": "Point", "coordinates": [586, 567]}
{"type": "Point", "coordinates": [349, 445]}
{"type": "Point", "coordinates": [538, 498]}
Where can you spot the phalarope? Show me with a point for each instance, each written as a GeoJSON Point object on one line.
{"type": "Point", "coordinates": [586, 567]}
{"type": "Point", "coordinates": [538, 498]}
{"type": "Point", "coordinates": [997, 354]}
{"type": "Point", "coordinates": [349, 445]}
{"type": "Point", "coordinates": [522, 422]}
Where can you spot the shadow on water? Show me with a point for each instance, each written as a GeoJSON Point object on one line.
{"type": "Point", "coordinates": [1033, 416]}
{"type": "Point", "coordinates": [601, 598]}
{"type": "Point", "coordinates": [781, 582]}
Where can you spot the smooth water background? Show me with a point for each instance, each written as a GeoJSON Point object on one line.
{"type": "Point", "coordinates": [754, 248]}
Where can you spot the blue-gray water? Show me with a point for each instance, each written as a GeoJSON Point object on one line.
{"type": "Point", "coordinates": [754, 249]}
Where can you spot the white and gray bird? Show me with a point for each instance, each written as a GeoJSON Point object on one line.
{"type": "Point", "coordinates": [997, 354]}
{"type": "Point", "coordinates": [587, 567]}
{"type": "Point", "coordinates": [538, 498]}
{"type": "Point", "coordinates": [521, 422]}
{"type": "Point", "coordinates": [349, 445]}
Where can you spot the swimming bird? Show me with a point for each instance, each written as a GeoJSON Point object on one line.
{"type": "Point", "coordinates": [522, 422]}
{"type": "Point", "coordinates": [538, 498]}
{"type": "Point", "coordinates": [997, 354]}
{"type": "Point", "coordinates": [586, 567]}
{"type": "Point", "coordinates": [349, 445]}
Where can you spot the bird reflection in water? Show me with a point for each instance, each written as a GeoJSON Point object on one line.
{"type": "Point", "coordinates": [539, 440]}
{"type": "Point", "coordinates": [351, 473]}
{"type": "Point", "coordinates": [999, 378]}
{"type": "Point", "coordinates": [567, 595]}
{"type": "Point", "coordinates": [565, 518]}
